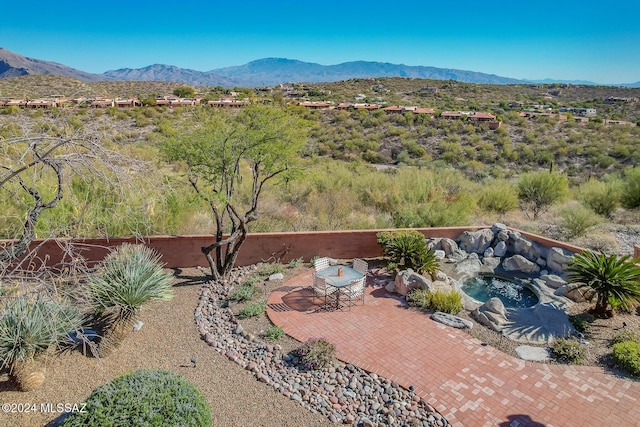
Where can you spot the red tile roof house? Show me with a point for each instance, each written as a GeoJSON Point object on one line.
{"type": "Point", "coordinates": [451, 115]}
{"type": "Point", "coordinates": [481, 117]}
{"type": "Point", "coordinates": [394, 109]}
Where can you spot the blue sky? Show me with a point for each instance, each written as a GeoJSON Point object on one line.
{"type": "Point", "coordinates": [570, 40]}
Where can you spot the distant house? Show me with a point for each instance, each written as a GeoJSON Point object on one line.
{"type": "Point", "coordinates": [127, 103]}
{"type": "Point", "coordinates": [228, 103]}
{"type": "Point", "coordinates": [481, 116]}
{"type": "Point", "coordinates": [315, 105]}
{"type": "Point", "coordinates": [582, 112]}
{"type": "Point", "coordinates": [451, 115]}
{"type": "Point", "coordinates": [41, 103]}
{"type": "Point", "coordinates": [619, 123]}
{"type": "Point", "coordinates": [102, 103]}
{"type": "Point", "coordinates": [366, 106]}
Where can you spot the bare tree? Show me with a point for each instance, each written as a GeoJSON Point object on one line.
{"type": "Point", "coordinates": [35, 170]}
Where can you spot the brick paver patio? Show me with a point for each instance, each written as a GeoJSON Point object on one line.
{"type": "Point", "coordinates": [467, 382]}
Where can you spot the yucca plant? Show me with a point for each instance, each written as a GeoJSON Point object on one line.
{"type": "Point", "coordinates": [129, 277]}
{"type": "Point", "coordinates": [29, 327]}
{"type": "Point", "coordinates": [611, 278]}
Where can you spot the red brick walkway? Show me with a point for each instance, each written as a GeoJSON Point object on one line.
{"type": "Point", "coordinates": [470, 384]}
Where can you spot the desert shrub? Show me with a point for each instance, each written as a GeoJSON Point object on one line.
{"type": "Point", "coordinates": [630, 197]}
{"type": "Point", "coordinates": [316, 353]}
{"type": "Point", "coordinates": [271, 268]}
{"type": "Point", "coordinates": [243, 293]}
{"type": "Point", "coordinates": [577, 219]}
{"type": "Point", "coordinates": [253, 310]}
{"type": "Point", "coordinates": [537, 191]}
{"type": "Point", "coordinates": [600, 197]}
{"type": "Point", "coordinates": [580, 323]}
{"type": "Point", "coordinates": [273, 333]}
{"type": "Point", "coordinates": [447, 302]}
{"type": "Point", "coordinates": [420, 298]}
{"type": "Point", "coordinates": [567, 351]}
{"type": "Point", "coordinates": [296, 262]}
{"type": "Point", "coordinates": [29, 326]}
{"type": "Point", "coordinates": [626, 335]}
{"type": "Point", "coordinates": [408, 249]}
{"type": "Point", "coordinates": [144, 397]}
{"type": "Point", "coordinates": [499, 197]}
{"type": "Point", "coordinates": [627, 356]}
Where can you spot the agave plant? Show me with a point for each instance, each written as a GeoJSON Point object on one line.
{"type": "Point", "coordinates": [28, 328]}
{"type": "Point", "coordinates": [129, 277]}
{"type": "Point", "coordinates": [612, 279]}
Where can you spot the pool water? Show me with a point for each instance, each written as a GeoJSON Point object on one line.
{"type": "Point", "coordinates": [512, 294]}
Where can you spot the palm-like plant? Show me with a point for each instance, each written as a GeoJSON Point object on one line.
{"type": "Point", "coordinates": [128, 278]}
{"type": "Point", "coordinates": [28, 328]}
{"type": "Point", "coordinates": [611, 278]}
{"type": "Point", "coordinates": [409, 250]}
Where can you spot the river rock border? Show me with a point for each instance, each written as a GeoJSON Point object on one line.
{"type": "Point", "coordinates": [342, 393]}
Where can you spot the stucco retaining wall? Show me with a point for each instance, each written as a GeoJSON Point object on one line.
{"type": "Point", "coordinates": [184, 251]}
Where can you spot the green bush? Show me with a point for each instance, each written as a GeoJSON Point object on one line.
{"type": "Point", "coordinates": [420, 298]}
{"type": "Point", "coordinates": [577, 219]}
{"type": "Point", "coordinates": [626, 335]}
{"type": "Point", "coordinates": [580, 323]}
{"type": "Point", "coordinates": [296, 262]}
{"type": "Point", "coordinates": [244, 293]}
{"type": "Point", "coordinates": [253, 310]}
{"type": "Point", "coordinates": [630, 197]}
{"type": "Point", "coordinates": [273, 333]}
{"type": "Point", "coordinates": [271, 268]}
{"type": "Point", "coordinates": [537, 191]}
{"type": "Point", "coordinates": [447, 302]}
{"type": "Point", "coordinates": [316, 353]}
{"type": "Point", "coordinates": [600, 197]}
{"type": "Point", "coordinates": [627, 356]}
{"type": "Point", "coordinates": [567, 351]}
{"type": "Point", "coordinates": [30, 326]}
{"type": "Point", "coordinates": [408, 249]}
{"type": "Point", "coordinates": [144, 398]}
{"type": "Point", "coordinates": [499, 197]}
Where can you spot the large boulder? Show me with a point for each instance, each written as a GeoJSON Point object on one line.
{"type": "Point", "coordinates": [500, 249]}
{"type": "Point", "coordinates": [476, 241]}
{"type": "Point", "coordinates": [558, 259]}
{"type": "Point", "coordinates": [407, 280]}
{"type": "Point", "coordinates": [451, 320]}
{"type": "Point", "coordinates": [520, 263]}
{"type": "Point", "coordinates": [492, 314]}
{"type": "Point", "coordinates": [449, 246]}
{"type": "Point", "coordinates": [553, 281]}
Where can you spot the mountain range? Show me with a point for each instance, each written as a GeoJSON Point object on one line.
{"type": "Point", "coordinates": [262, 72]}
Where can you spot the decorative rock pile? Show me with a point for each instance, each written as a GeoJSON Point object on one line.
{"type": "Point", "coordinates": [342, 393]}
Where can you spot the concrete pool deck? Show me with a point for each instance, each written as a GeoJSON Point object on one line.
{"type": "Point", "coordinates": [469, 383]}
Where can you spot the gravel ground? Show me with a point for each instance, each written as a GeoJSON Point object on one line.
{"type": "Point", "coordinates": [167, 341]}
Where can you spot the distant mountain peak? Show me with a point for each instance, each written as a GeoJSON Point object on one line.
{"type": "Point", "coordinates": [15, 65]}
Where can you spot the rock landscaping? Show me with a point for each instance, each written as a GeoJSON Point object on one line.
{"type": "Point", "coordinates": [342, 393]}
{"type": "Point", "coordinates": [499, 250]}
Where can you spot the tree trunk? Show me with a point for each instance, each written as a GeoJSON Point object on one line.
{"type": "Point", "coordinates": [113, 334]}
{"type": "Point", "coordinates": [28, 374]}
